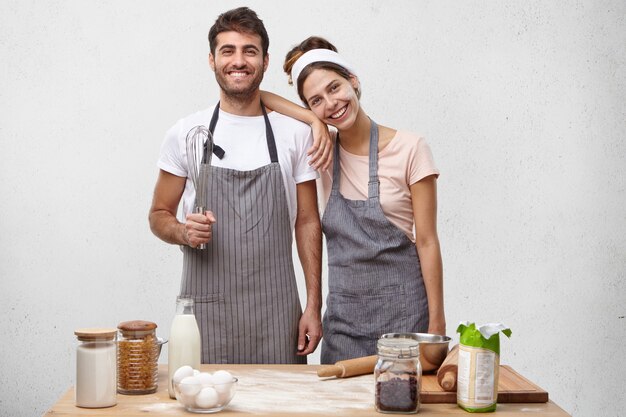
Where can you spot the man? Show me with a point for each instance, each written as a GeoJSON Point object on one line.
{"type": "Point", "coordinates": [260, 189]}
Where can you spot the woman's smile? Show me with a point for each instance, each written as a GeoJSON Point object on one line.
{"type": "Point", "coordinates": [338, 114]}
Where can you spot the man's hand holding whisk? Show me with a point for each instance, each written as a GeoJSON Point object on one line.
{"type": "Point", "coordinates": [198, 228]}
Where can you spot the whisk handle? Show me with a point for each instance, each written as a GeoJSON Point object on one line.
{"type": "Point", "coordinates": [201, 210]}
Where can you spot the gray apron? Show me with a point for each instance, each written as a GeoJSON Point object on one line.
{"type": "Point", "coordinates": [243, 284]}
{"type": "Point", "coordinates": [375, 282]}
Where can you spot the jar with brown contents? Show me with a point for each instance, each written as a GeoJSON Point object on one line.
{"type": "Point", "coordinates": [398, 376]}
{"type": "Point", "coordinates": [137, 357]}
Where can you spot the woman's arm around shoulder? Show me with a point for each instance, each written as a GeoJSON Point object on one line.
{"type": "Point", "coordinates": [321, 151]}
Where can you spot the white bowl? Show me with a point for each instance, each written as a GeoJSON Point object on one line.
{"type": "Point", "coordinates": [204, 398]}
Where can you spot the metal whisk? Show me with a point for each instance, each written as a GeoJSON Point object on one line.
{"type": "Point", "coordinates": [199, 143]}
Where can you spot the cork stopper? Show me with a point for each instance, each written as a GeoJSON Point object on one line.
{"type": "Point", "coordinates": [136, 328]}
{"type": "Point", "coordinates": [137, 325]}
{"type": "Point", "coordinates": [95, 333]}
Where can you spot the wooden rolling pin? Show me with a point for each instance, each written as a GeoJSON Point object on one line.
{"type": "Point", "coordinates": [349, 367]}
{"type": "Point", "coordinates": [447, 373]}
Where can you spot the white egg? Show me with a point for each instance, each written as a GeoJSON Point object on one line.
{"type": "Point", "coordinates": [186, 400]}
{"type": "Point", "coordinates": [182, 372]}
{"type": "Point", "coordinates": [207, 398]}
{"type": "Point", "coordinates": [223, 388]}
{"type": "Point", "coordinates": [222, 377]}
{"type": "Point", "coordinates": [196, 372]}
{"type": "Point", "coordinates": [205, 378]}
{"type": "Point", "coordinates": [189, 386]}
{"type": "Point", "coordinates": [224, 395]}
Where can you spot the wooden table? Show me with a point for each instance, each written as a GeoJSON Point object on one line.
{"type": "Point", "coordinates": [283, 390]}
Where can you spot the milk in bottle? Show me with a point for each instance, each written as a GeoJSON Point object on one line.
{"type": "Point", "coordinates": [184, 343]}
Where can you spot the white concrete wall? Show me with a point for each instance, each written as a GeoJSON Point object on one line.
{"type": "Point", "coordinates": [523, 103]}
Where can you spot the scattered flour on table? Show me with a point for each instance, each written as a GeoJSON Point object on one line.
{"type": "Point", "coordinates": [173, 408]}
{"type": "Point", "coordinates": [268, 391]}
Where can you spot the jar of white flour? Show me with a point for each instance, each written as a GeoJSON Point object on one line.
{"type": "Point", "coordinates": [96, 368]}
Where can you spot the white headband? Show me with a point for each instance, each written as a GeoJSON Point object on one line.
{"type": "Point", "coordinates": [318, 55]}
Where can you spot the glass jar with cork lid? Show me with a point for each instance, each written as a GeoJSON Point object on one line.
{"type": "Point", "coordinates": [137, 357]}
{"type": "Point", "coordinates": [95, 368]}
{"type": "Point", "coordinates": [398, 376]}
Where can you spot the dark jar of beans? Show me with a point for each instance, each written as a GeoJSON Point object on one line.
{"type": "Point", "coordinates": [398, 376]}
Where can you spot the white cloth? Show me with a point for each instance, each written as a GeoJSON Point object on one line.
{"type": "Point", "coordinates": [243, 140]}
{"type": "Point", "coordinates": [318, 55]}
{"type": "Point", "coordinates": [488, 329]}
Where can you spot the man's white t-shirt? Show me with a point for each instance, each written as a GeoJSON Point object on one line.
{"type": "Point", "coordinates": [244, 142]}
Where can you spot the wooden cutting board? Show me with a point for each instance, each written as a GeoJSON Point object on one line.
{"type": "Point", "coordinates": [512, 388]}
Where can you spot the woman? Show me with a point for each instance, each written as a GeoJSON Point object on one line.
{"type": "Point", "coordinates": [382, 277]}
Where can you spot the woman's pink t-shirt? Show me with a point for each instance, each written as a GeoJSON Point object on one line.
{"type": "Point", "coordinates": [404, 161]}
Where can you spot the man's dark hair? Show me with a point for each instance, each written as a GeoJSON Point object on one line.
{"type": "Point", "coordinates": [242, 20]}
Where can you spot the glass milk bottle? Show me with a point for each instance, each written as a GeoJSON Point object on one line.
{"type": "Point", "coordinates": [184, 343]}
{"type": "Point", "coordinates": [96, 368]}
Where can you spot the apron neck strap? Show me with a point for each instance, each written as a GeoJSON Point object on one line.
{"type": "Point", "coordinates": [216, 115]}
{"type": "Point", "coordinates": [269, 133]}
{"type": "Point", "coordinates": [269, 136]}
{"type": "Point", "coordinates": [373, 183]}
{"type": "Point", "coordinates": [335, 186]}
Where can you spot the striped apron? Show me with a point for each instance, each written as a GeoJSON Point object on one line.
{"type": "Point", "coordinates": [243, 284]}
{"type": "Point", "coordinates": [375, 283]}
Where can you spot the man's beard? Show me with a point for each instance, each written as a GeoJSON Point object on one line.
{"type": "Point", "coordinates": [237, 93]}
